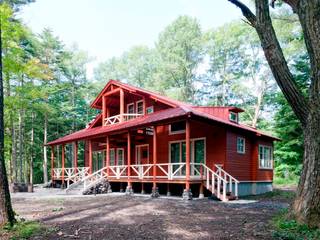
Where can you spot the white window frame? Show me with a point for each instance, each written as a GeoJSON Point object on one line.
{"type": "Point", "coordinates": [137, 103]}
{"type": "Point", "coordinates": [114, 155]}
{"type": "Point", "coordinates": [129, 105]}
{"type": "Point", "coordinates": [236, 114]}
{"type": "Point", "coordinates": [271, 157]}
{"type": "Point", "coordinates": [175, 132]}
{"type": "Point", "coordinates": [151, 107]}
{"type": "Point", "coordinates": [192, 140]}
{"type": "Point", "coordinates": [118, 150]}
{"type": "Point", "coordinates": [244, 145]}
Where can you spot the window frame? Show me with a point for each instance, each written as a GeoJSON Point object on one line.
{"type": "Point", "coordinates": [244, 145]}
{"type": "Point", "coordinates": [150, 107]}
{"type": "Point", "coordinates": [271, 157]}
{"type": "Point", "coordinates": [123, 157]}
{"type": "Point", "coordinates": [235, 114]}
{"type": "Point", "coordinates": [129, 105]}
{"type": "Point", "coordinates": [137, 105]}
{"type": "Point", "coordinates": [176, 132]}
{"type": "Point", "coordinates": [114, 156]}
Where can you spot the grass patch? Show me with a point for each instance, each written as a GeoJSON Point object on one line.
{"type": "Point", "coordinates": [286, 228]}
{"type": "Point", "coordinates": [21, 230]}
{"type": "Point", "coordinates": [292, 181]}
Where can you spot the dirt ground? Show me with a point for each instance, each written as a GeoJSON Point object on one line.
{"type": "Point", "coordinates": [116, 216]}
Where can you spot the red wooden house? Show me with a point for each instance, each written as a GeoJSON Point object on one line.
{"type": "Point", "coordinates": [143, 139]}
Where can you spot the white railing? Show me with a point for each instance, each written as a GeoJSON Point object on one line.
{"type": "Point", "coordinates": [95, 178]}
{"type": "Point", "coordinates": [68, 172]}
{"type": "Point", "coordinates": [229, 179]}
{"type": "Point", "coordinates": [80, 174]}
{"type": "Point", "coordinates": [121, 117]}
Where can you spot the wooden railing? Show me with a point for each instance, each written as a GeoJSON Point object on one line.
{"type": "Point", "coordinates": [231, 181]}
{"type": "Point", "coordinates": [68, 172]}
{"type": "Point", "coordinates": [80, 174]}
{"type": "Point", "coordinates": [121, 118]}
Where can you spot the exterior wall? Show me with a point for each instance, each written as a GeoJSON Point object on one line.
{"type": "Point", "coordinates": [254, 188]}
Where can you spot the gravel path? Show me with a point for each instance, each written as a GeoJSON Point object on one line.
{"type": "Point", "coordinates": [116, 216]}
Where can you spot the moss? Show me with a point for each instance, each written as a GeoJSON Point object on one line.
{"type": "Point", "coordinates": [21, 230]}
{"type": "Point", "coordinates": [286, 228]}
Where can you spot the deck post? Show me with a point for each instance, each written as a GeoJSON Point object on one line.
{"type": "Point", "coordinates": [108, 161]}
{"type": "Point", "coordinates": [142, 188]}
{"type": "Point", "coordinates": [121, 104]}
{"type": "Point", "coordinates": [168, 190]}
{"type": "Point", "coordinates": [52, 163]}
{"type": "Point", "coordinates": [201, 195]}
{"type": "Point", "coordinates": [75, 156]}
{"type": "Point", "coordinates": [129, 186]}
{"type": "Point", "coordinates": [62, 163]}
{"type": "Point", "coordinates": [90, 157]}
{"type": "Point", "coordinates": [155, 190]}
{"type": "Point", "coordinates": [103, 110]}
{"type": "Point", "coordinates": [187, 194]}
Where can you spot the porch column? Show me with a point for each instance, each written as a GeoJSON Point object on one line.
{"type": "Point", "coordinates": [121, 104]}
{"type": "Point", "coordinates": [52, 162]}
{"type": "Point", "coordinates": [103, 109]}
{"type": "Point", "coordinates": [129, 186]}
{"type": "Point", "coordinates": [75, 156]}
{"type": "Point", "coordinates": [90, 157]}
{"type": "Point", "coordinates": [155, 191]}
{"type": "Point", "coordinates": [187, 192]}
{"type": "Point", "coordinates": [62, 163]}
{"type": "Point", "coordinates": [108, 155]}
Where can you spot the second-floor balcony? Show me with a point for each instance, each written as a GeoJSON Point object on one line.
{"type": "Point", "coordinates": [120, 118]}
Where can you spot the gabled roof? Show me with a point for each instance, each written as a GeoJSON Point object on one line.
{"type": "Point", "coordinates": [130, 88]}
{"type": "Point", "coordinates": [154, 118]}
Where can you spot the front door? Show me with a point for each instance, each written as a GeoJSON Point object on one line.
{"type": "Point", "coordinates": [142, 154]}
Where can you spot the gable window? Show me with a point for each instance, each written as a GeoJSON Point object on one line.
{"type": "Point", "coordinates": [178, 127]}
{"type": "Point", "coordinates": [150, 110]}
{"type": "Point", "coordinates": [241, 145]}
{"type": "Point", "coordinates": [265, 157]}
{"type": "Point", "coordinates": [140, 107]}
{"type": "Point", "coordinates": [233, 117]}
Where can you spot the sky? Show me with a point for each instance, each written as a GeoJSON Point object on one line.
{"type": "Point", "coordinates": [107, 28]}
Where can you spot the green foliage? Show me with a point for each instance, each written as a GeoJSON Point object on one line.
{"type": "Point", "coordinates": [22, 230]}
{"type": "Point", "coordinates": [286, 228]}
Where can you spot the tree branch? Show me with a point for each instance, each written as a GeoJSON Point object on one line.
{"type": "Point", "coordinates": [246, 12]}
{"type": "Point", "coordinates": [275, 57]}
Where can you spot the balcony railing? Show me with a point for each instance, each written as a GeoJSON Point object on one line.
{"type": "Point", "coordinates": [121, 118]}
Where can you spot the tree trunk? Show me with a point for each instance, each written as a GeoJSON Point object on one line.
{"type": "Point", "coordinates": [257, 108]}
{"type": "Point", "coordinates": [6, 211]}
{"type": "Point", "coordinates": [45, 154]}
{"type": "Point", "coordinates": [20, 147]}
{"type": "Point", "coordinates": [307, 203]}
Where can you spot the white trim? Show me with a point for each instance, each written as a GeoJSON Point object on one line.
{"type": "Point", "coordinates": [236, 114]}
{"type": "Point", "coordinates": [137, 102]}
{"type": "Point", "coordinates": [244, 145]}
{"type": "Point", "coordinates": [175, 132]}
{"type": "Point", "coordinates": [271, 157]}
{"type": "Point", "coordinates": [139, 146]}
{"type": "Point", "coordinates": [128, 105]}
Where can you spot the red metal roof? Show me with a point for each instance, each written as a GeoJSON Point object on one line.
{"type": "Point", "coordinates": [147, 120]}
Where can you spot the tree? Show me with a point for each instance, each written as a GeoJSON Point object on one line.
{"type": "Point", "coordinates": [306, 206]}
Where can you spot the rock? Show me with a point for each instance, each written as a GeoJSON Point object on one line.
{"type": "Point", "coordinates": [100, 188]}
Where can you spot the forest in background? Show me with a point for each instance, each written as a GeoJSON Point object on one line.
{"type": "Point", "coordinates": [47, 92]}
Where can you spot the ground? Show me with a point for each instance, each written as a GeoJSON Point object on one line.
{"type": "Point", "coordinates": [116, 216]}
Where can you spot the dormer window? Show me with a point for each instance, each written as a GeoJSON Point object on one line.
{"type": "Point", "coordinates": [233, 117]}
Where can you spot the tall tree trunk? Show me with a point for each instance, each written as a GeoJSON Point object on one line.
{"type": "Point", "coordinates": [31, 152]}
{"type": "Point", "coordinates": [14, 153]}
{"type": "Point", "coordinates": [258, 105]}
{"type": "Point", "coordinates": [20, 146]}
{"type": "Point", "coordinates": [6, 211]}
{"type": "Point", "coordinates": [45, 154]}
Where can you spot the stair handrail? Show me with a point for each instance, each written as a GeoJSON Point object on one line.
{"type": "Point", "coordinates": [81, 173]}
{"type": "Point", "coordinates": [101, 174]}
{"type": "Point", "coordinates": [230, 179]}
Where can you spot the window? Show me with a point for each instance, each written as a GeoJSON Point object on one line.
{"type": "Point", "coordinates": [130, 108]}
{"type": "Point", "coordinates": [120, 156]}
{"type": "Point", "coordinates": [112, 157]}
{"type": "Point", "coordinates": [265, 157]}
{"type": "Point", "coordinates": [241, 145]}
{"type": "Point", "coordinates": [140, 107]}
{"type": "Point", "coordinates": [178, 127]}
{"type": "Point", "coordinates": [150, 110]}
{"type": "Point", "coordinates": [233, 117]}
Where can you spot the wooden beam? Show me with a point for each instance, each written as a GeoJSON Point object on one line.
{"type": "Point", "coordinates": [108, 155]}
{"type": "Point", "coordinates": [129, 157]}
{"type": "Point", "coordinates": [112, 92]}
{"type": "Point", "coordinates": [62, 162]}
{"type": "Point", "coordinates": [75, 155]}
{"type": "Point", "coordinates": [103, 109]}
{"type": "Point", "coordinates": [121, 104]}
{"type": "Point", "coordinates": [90, 156]}
{"type": "Point", "coordinates": [188, 148]}
{"type": "Point", "coordinates": [155, 151]}
{"type": "Point", "coordinates": [52, 162]}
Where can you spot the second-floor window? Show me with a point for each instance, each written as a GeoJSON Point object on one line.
{"type": "Point", "coordinates": [233, 117]}
{"type": "Point", "coordinates": [140, 107]}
